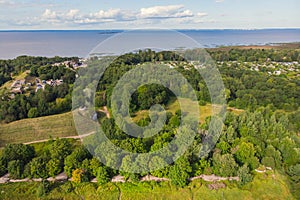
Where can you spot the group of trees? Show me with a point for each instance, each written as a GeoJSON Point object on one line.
{"type": "Point", "coordinates": [149, 95]}
{"type": "Point", "coordinates": [250, 90]}
{"type": "Point", "coordinates": [22, 161]}
{"type": "Point", "coordinates": [48, 72]}
{"type": "Point", "coordinates": [56, 156]}
{"type": "Point", "coordinates": [252, 55]}
{"type": "Point", "coordinates": [51, 100]}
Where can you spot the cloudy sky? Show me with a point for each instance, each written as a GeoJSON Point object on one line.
{"type": "Point", "coordinates": [126, 14]}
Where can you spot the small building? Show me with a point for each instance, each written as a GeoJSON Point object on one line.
{"type": "Point", "coordinates": [38, 87]}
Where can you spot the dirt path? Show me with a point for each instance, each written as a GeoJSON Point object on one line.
{"type": "Point", "coordinates": [60, 177]}
{"type": "Point", "coordinates": [105, 110]}
{"type": "Point", "coordinates": [120, 192]}
{"type": "Point", "coordinates": [153, 178]}
{"type": "Point", "coordinates": [214, 178]}
{"type": "Point", "coordinates": [68, 137]}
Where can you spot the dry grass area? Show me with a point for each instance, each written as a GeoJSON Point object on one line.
{"type": "Point", "coordinates": [191, 107]}
{"type": "Point", "coordinates": [41, 128]}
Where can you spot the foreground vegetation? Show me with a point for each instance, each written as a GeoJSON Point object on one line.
{"type": "Point", "coordinates": [264, 186]}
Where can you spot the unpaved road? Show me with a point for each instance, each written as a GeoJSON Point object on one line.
{"type": "Point", "coordinates": [68, 137]}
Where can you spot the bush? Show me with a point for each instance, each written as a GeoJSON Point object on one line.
{"type": "Point", "coordinates": [20, 152]}
{"type": "Point", "coordinates": [244, 175]}
{"type": "Point", "coordinates": [67, 187]}
{"type": "Point", "coordinates": [15, 169]}
{"type": "Point", "coordinates": [3, 169]}
{"type": "Point", "coordinates": [294, 172]}
{"type": "Point", "coordinates": [32, 113]}
{"type": "Point", "coordinates": [102, 175]}
{"type": "Point", "coordinates": [79, 176]}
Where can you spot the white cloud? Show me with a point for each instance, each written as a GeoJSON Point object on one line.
{"type": "Point", "coordinates": [72, 13]}
{"type": "Point", "coordinates": [48, 14]}
{"type": "Point", "coordinates": [110, 14]}
{"type": "Point", "coordinates": [183, 14]}
{"type": "Point", "coordinates": [150, 15]}
{"type": "Point", "coordinates": [219, 1]}
{"type": "Point", "coordinates": [74, 16]}
{"type": "Point", "coordinates": [171, 11]}
{"type": "Point", "coordinates": [201, 14]}
{"type": "Point", "coordinates": [114, 14]}
{"type": "Point", "coordinates": [7, 3]}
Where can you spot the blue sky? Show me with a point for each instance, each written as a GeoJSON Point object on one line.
{"type": "Point", "coordinates": [174, 14]}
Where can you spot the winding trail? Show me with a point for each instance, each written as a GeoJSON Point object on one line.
{"type": "Point", "coordinates": [68, 137]}
{"type": "Point", "coordinates": [105, 110]}
{"type": "Point", "coordinates": [120, 192]}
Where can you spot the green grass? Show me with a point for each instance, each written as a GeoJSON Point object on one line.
{"type": "Point", "coordinates": [152, 190]}
{"type": "Point", "coordinates": [28, 130]}
{"type": "Point", "coordinates": [269, 186]}
{"type": "Point", "coordinates": [264, 186]}
{"type": "Point", "coordinates": [190, 107]}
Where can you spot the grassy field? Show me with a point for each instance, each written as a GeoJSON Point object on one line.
{"type": "Point", "coordinates": [28, 130]}
{"type": "Point", "coordinates": [204, 111]}
{"type": "Point", "coordinates": [264, 186]}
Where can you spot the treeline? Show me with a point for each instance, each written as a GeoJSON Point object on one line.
{"type": "Point", "coordinates": [252, 55]}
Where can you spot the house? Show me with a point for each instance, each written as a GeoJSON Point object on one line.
{"type": "Point", "coordinates": [38, 87]}
{"type": "Point", "coordinates": [16, 91]}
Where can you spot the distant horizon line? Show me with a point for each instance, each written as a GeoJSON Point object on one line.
{"type": "Point", "coordinates": [190, 29]}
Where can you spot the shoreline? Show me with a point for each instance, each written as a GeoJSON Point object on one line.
{"type": "Point", "coordinates": [267, 46]}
